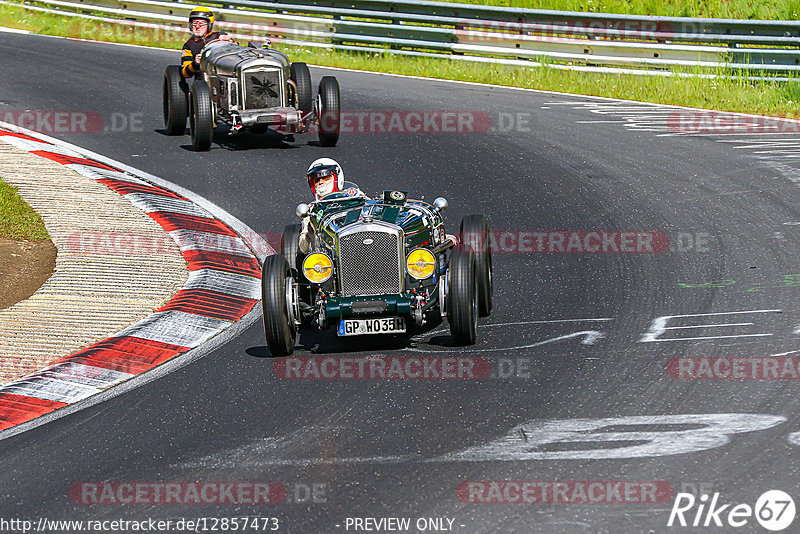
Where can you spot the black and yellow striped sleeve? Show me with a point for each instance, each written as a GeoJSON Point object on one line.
{"type": "Point", "coordinates": [188, 67]}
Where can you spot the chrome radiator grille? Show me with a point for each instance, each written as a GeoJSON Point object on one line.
{"type": "Point", "coordinates": [370, 269]}
{"type": "Point", "coordinates": [262, 89]}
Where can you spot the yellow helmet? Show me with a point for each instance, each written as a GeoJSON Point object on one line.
{"type": "Point", "coordinates": [202, 12]}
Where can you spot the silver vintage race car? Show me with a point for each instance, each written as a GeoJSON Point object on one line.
{"type": "Point", "coordinates": [253, 88]}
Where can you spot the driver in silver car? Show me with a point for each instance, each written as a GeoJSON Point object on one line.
{"type": "Point", "coordinates": [201, 24]}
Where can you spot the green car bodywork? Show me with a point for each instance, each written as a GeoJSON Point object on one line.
{"type": "Point", "coordinates": [376, 266]}
{"type": "Point", "coordinates": [422, 226]}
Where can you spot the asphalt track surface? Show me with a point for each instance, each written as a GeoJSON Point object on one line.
{"type": "Point", "coordinates": [380, 447]}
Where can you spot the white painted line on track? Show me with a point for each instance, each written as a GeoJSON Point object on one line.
{"type": "Point", "coordinates": [541, 321]}
{"type": "Point", "coordinates": [658, 326]}
{"type": "Point", "coordinates": [549, 321]}
{"type": "Point", "coordinates": [590, 337]}
{"type": "Point", "coordinates": [3, 29]}
{"type": "Point", "coordinates": [706, 326]}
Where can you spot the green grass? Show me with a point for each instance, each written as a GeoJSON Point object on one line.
{"type": "Point", "coordinates": [762, 97]}
{"type": "Point", "coordinates": [17, 218]}
{"type": "Point", "coordinates": [734, 9]}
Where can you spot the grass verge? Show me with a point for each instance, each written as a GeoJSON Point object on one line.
{"type": "Point", "coordinates": [722, 93]}
{"type": "Point", "coordinates": [725, 9]}
{"type": "Point", "coordinates": [17, 218]}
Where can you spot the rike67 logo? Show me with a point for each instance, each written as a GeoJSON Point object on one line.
{"type": "Point", "coordinates": [774, 510]}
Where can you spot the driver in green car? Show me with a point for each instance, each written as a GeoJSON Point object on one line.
{"type": "Point", "coordinates": [325, 176]}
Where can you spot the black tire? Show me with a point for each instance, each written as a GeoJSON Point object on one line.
{"type": "Point", "coordinates": [462, 298]}
{"type": "Point", "coordinates": [329, 114]}
{"type": "Point", "coordinates": [474, 233]}
{"type": "Point", "coordinates": [290, 248]}
{"type": "Point", "coordinates": [280, 329]}
{"type": "Point", "coordinates": [176, 101]}
{"type": "Point", "coordinates": [201, 121]}
{"type": "Point", "coordinates": [302, 78]}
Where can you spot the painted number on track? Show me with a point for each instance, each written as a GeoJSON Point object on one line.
{"type": "Point", "coordinates": [616, 437]}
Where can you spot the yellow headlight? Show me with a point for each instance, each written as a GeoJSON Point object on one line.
{"type": "Point", "coordinates": [317, 267]}
{"type": "Point", "coordinates": [420, 263]}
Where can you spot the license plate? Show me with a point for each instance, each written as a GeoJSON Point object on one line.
{"type": "Point", "coordinates": [384, 325]}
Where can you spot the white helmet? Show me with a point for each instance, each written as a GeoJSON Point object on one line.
{"type": "Point", "coordinates": [321, 168]}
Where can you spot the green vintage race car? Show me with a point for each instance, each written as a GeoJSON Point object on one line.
{"type": "Point", "coordinates": [376, 267]}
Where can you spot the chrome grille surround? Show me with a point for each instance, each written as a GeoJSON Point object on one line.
{"type": "Point", "coordinates": [370, 269]}
{"type": "Point", "coordinates": [262, 88]}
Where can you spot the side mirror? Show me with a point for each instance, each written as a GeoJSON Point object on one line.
{"type": "Point", "coordinates": [301, 210]}
{"type": "Point", "coordinates": [440, 204]}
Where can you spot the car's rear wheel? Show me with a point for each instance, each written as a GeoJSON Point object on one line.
{"type": "Point", "coordinates": [328, 114]}
{"type": "Point", "coordinates": [462, 298]}
{"type": "Point", "coordinates": [302, 78]}
{"type": "Point", "coordinates": [279, 309]}
{"type": "Point", "coordinates": [201, 119]}
{"type": "Point", "coordinates": [474, 234]}
{"type": "Point", "coordinates": [176, 101]}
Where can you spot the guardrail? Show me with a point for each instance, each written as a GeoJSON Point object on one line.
{"type": "Point", "coordinates": [484, 33]}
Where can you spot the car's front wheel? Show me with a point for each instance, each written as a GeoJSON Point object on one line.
{"type": "Point", "coordinates": [201, 119]}
{"type": "Point", "coordinates": [176, 101]}
{"type": "Point", "coordinates": [462, 297]}
{"type": "Point", "coordinates": [290, 247]}
{"type": "Point", "coordinates": [279, 303]}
